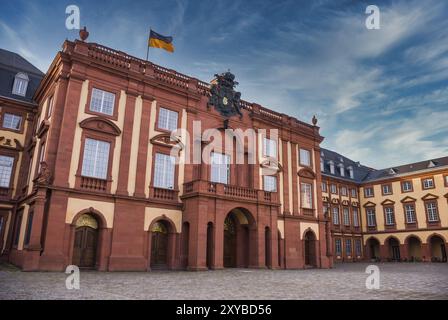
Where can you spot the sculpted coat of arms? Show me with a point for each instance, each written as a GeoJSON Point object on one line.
{"type": "Point", "coordinates": [224, 97]}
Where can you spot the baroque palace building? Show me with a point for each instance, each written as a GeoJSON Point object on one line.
{"type": "Point", "coordinates": [88, 177]}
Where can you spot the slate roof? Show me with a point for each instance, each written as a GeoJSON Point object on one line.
{"type": "Point", "coordinates": [363, 174]}
{"type": "Point", "coordinates": [10, 64]}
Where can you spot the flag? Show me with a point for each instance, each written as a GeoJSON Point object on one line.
{"type": "Point", "coordinates": [158, 41]}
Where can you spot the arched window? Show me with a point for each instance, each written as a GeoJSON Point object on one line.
{"type": "Point", "coordinates": [20, 84]}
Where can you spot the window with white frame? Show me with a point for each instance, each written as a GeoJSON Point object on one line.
{"type": "Point", "coordinates": [324, 187]}
{"type": "Point", "coordinates": [168, 119]}
{"type": "Point", "coordinates": [344, 191]}
{"type": "Point", "coordinates": [368, 192]}
{"type": "Point", "coordinates": [50, 106]}
{"type": "Point", "coordinates": [102, 102]}
{"type": "Point", "coordinates": [11, 121]}
{"type": "Point", "coordinates": [335, 215]}
{"type": "Point", "coordinates": [305, 157]}
{"type": "Point", "coordinates": [348, 247]}
{"type": "Point", "coordinates": [389, 215]}
{"type": "Point", "coordinates": [431, 210]}
{"type": "Point", "coordinates": [407, 186]}
{"type": "Point", "coordinates": [220, 168]}
{"type": "Point", "coordinates": [346, 214]}
{"type": "Point", "coordinates": [306, 191]}
{"type": "Point", "coordinates": [333, 189]}
{"type": "Point", "coordinates": [164, 169]}
{"type": "Point", "coordinates": [20, 84]}
{"type": "Point", "coordinates": [358, 251]}
{"type": "Point", "coordinates": [270, 183]}
{"type": "Point", "coordinates": [338, 247]}
{"type": "Point", "coordinates": [354, 193]}
{"type": "Point", "coordinates": [6, 164]}
{"type": "Point", "coordinates": [428, 183]}
{"type": "Point", "coordinates": [387, 189]}
{"type": "Point", "coordinates": [355, 217]}
{"type": "Point", "coordinates": [371, 219]}
{"type": "Point", "coordinates": [96, 159]}
{"type": "Point", "coordinates": [269, 148]}
{"type": "Point", "coordinates": [410, 213]}
{"type": "Point", "coordinates": [322, 165]}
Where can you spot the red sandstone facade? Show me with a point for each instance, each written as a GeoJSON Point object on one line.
{"type": "Point", "coordinates": [126, 222]}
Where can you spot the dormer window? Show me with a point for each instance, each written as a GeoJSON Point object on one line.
{"type": "Point", "coordinates": [20, 84]}
{"type": "Point", "coordinates": [350, 172]}
{"type": "Point", "coordinates": [392, 171]}
{"type": "Point", "coordinates": [432, 164]}
{"type": "Point", "coordinates": [331, 167]}
{"type": "Point", "coordinates": [322, 167]}
{"type": "Point", "coordinates": [341, 170]}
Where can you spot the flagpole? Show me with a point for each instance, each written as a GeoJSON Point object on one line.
{"type": "Point", "coordinates": [147, 50]}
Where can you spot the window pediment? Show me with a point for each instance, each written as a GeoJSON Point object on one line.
{"type": "Point", "coordinates": [12, 144]}
{"type": "Point", "coordinates": [369, 204]}
{"type": "Point", "coordinates": [335, 201]}
{"type": "Point", "coordinates": [165, 140]}
{"type": "Point", "coordinates": [271, 164]}
{"type": "Point", "coordinates": [325, 199]}
{"type": "Point", "coordinates": [408, 199]}
{"type": "Point", "coordinates": [100, 125]}
{"type": "Point", "coordinates": [430, 196]}
{"type": "Point", "coordinates": [345, 203]}
{"type": "Point", "coordinates": [306, 173]}
{"type": "Point", "coordinates": [387, 202]}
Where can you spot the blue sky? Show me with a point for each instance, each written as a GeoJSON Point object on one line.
{"type": "Point", "coordinates": [381, 96]}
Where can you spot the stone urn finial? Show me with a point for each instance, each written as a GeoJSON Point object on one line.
{"type": "Point", "coordinates": [314, 120]}
{"type": "Point", "coordinates": [83, 34]}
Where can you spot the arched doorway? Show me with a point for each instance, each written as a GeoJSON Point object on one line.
{"type": "Point", "coordinates": [394, 249]}
{"type": "Point", "coordinates": [373, 248]}
{"type": "Point", "coordinates": [239, 229]}
{"type": "Point", "coordinates": [210, 246]}
{"type": "Point", "coordinates": [86, 242]}
{"type": "Point", "coordinates": [437, 249]}
{"type": "Point", "coordinates": [414, 249]}
{"type": "Point", "coordinates": [310, 249]}
{"type": "Point", "coordinates": [159, 245]}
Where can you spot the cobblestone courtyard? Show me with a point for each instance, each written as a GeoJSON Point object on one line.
{"type": "Point", "coordinates": [345, 281]}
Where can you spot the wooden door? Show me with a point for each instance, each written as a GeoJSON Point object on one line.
{"type": "Point", "coordinates": [310, 250]}
{"type": "Point", "coordinates": [229, 243]}
{"type": "Point", "coordinates": [159, 249]}
{"type": "Point", "coordinates": [85, 247]}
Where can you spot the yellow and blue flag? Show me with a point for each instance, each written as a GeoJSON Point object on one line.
{"type": "Point", "coordinates": [158, 41]}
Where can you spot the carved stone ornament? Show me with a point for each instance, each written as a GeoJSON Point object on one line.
{"type": "Point", "coordinates": [86, 220]}
{"type": "Point", "coordinates": [224, 97]}
{"type": "Point", "coordinates": [44, 176]}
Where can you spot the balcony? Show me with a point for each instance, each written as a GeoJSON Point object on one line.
{"type": "Point", "coordinates": [165, 195]}
{"type": "Point", "coordinates": [93, 184]}
{"type": "Point", "coordinates": [212, 189]}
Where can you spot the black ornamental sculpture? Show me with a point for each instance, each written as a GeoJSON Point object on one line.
{"type": "Point", "coordinates": [224, 97]}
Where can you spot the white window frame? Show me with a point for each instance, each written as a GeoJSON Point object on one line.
{"type": "Point", "coordinates": [270, 183]}
{"type": "Point", "coordinates": [368, 194]}
{"type": "Point", "coordinates": [346, 215]}
{"type": "Point", "coordinates": [432, 212]}
{"type": "Point", "coordinates": [348, 247]}
{"type": "Point", "coordinates": [219, 168]}
{"type": "Point", "coordinates": [269, 148]}
{"type": "Point", "coordinates": [387, 189]}
{"type": "Point", "coordinates": [306, 193]}
{"type": "Point", "coordinates": [20, 85]}
{"type": "Point", "coordinates": [355, 217]}
{"type": "Point", "coordinates": [324, 187]}
{"type": "Point", "coordinates": [344, 191]}
{"type": "Point", "coordinates": [410, 213]}
{"type": "Point", "coordinates": [338, 247]}
{"type": "Point", "coordinates": [168, 119]}
{"type": "Point", "coordinates": [103, 98]}
{"type": "Point", "coordinates": [427, 185]}
{"type": "Point", "coordinates": [371, 217]}
{"type": "Point", "coordinates": [305, 157]}
{"type": "Point", "coordinates": [335, 213]}
{"type": "Point", "coordinates": [407, 183]}
{"type": "Point", "coordinates": [9, 124]}
{"type": "Point", "coordinates": [333, 189]}
{"type": "Point", "coordinates": [164, 171]}
{"type": "Point", "coordinates": [389, 216]}
{"type": "Point", "coordinates": [103, 168]}
{"type": "Point", "coordinates": [6, 170]}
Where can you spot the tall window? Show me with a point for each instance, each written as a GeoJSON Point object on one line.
{"type": "Point", "coordinates": [305, 157]}
{"type": "Point", "coordinates": [20, 84]}
{"type": "Point", "coordinates": [358, 247]}
{"type": "Point", "coordinates": [354, 193]}
{"type": "Point", "coordinates": [167, 119]}
{"type": "Point", "coordinates": [306, 195]}
{"type": "Point", "coordinates": [346, 214]}
{"type": "Point", "coordinates": [333, 189]}
{"type": "Point", "coordinates": [270, 183]}
{"type": "Point", "coordinates": [220, 165]}
{"type": "Point", "coordinates": [410, 213]}
{"type": "Point", "coordinates": [6, 164]}
{"type": "Point", "coordinates": [389, 214]}
{"type": "Point", "coordinates": [335, 215]}
{"type": "Point", "coordinates": [17, 229]}
{"type": "Point", "coordinates": [338, 247]}
{"type": "Point", "coordinates": [324, 187]}
{"type": "Point", "coordinates": [12, 121]}
{"type": "Point", "coordinates": [368, 192]}
{"type": "Point", "coordinates": [371, 219]}
{"type": "Point", "coordinates": [164, 171]}
{"type": "Point", "coordinates": [102, 101]}
{"type": "Point", "coordinates": [428, 183]}
{"type": "Point", "coordinates": [406, 186]}
{"type": "Point", "coordinates": [431, 210]}
{"type": "Point", "coordinates": [41, 156]}
{"type": "Point", "coordinates": [50, 106]}
{"type": "Point", "coordinates": [269, 148]}
{"type": "Point", "coordinates": [344, 191]}
{"type": "Point", "coordinates": [355, 217]}
{"type": "Point", "coordinates": [348, 247]}
{"type": "Point", "coordinates": [29, 225]}
{"type": "Point", "coordinates": [96, 159]}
